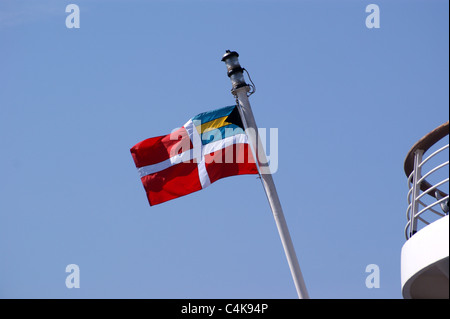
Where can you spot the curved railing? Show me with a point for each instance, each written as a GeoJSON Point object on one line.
{"type": "Point", "coordinates": [428, 197]}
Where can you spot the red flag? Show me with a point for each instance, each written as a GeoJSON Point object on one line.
{"type": "Point", "coordinates": [210, 146]}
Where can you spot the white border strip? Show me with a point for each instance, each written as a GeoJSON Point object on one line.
{"type": "Point", "coordinates": [177, 159]}
{"type": "Point", "coordinates": [198, 152]}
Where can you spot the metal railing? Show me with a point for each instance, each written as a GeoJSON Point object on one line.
{"type": "Point", "coordinates": [427, 201]}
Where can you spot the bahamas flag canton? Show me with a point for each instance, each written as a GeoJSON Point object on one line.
{"type": "Point", "coordinates": [210, 146]}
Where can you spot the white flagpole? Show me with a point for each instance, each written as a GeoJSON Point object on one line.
{"type": "Point", "coordinates": [240, 90]}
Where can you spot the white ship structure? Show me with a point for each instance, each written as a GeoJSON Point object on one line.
{"type": "Point", "coordinates": [424, 255]}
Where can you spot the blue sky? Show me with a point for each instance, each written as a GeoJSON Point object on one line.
{"type": "Point", "coordinates": [348, 102]}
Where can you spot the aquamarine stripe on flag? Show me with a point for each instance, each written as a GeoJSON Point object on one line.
{"type": "Point", "coordinates": [212, 115]}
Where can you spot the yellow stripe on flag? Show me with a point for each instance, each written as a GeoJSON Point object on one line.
{"type": "Point", "coordinates": [211, 125]}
